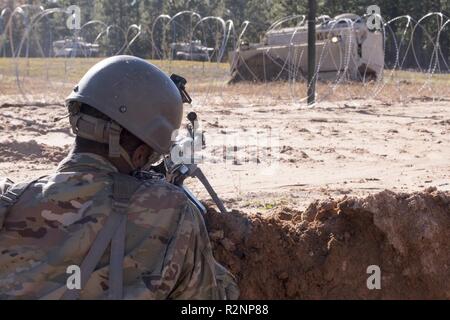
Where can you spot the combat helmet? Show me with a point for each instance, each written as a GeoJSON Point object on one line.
{"type": "Point", "coordinates": [135, 95]}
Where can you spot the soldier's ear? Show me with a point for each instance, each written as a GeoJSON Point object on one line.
{"type": "Point", "coordinates": [140, 155]}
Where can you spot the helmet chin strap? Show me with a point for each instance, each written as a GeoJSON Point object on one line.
{"type": "Point", "coordinates": [154, 157]}
{"type": "Point", "coordinates": [127, 158]}
{"type": "Point", "coordinates": [101, 131]}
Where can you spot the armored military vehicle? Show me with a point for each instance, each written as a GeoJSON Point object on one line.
{"type": "Point", "coordinates": [75, 47]}
{"type": "Point", "coordinates": [193, 51]}
{"type": "Point", "coordinates": [345, 50]}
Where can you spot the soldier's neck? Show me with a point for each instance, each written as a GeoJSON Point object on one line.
{"type": "Point", "coordinates": [121, 165]}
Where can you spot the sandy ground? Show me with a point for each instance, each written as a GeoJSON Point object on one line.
{"type": "Point", "coordinates": [309, 210]}
{"type": "Point", "coordinates": [354, 147]}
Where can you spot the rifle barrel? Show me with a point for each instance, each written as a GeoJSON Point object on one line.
{"type": "Point", "coordinates": [199, 174]}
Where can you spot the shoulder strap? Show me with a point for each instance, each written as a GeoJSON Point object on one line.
{"type": "Point", "coordinates": [113, 231]}
{"type": "Point", "coordinates": [10, 198]}
{"type": "Point", "coordinates": [123, 190]}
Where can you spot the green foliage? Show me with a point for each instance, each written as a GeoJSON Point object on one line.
{"type": "Point", "coordinates": [260, 13]}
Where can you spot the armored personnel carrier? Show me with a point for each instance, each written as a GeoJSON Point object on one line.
{"type": "Point", "coordinates": [345, 50]}
{"type": "Point", "coordinates": [75, 47]}
{"type": "Point", "coordinates": [193, 51]}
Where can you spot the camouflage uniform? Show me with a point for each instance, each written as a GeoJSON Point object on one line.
{"type": "Point", "coordinates": [168, 254]}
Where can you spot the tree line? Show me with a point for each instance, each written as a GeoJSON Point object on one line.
{"type": "Point", "coordinates": [260, 14]}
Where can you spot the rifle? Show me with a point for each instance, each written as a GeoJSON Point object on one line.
{"type": "Point", "coordinates": [176, 172]}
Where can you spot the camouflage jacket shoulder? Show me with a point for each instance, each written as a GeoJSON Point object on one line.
{"type": "Point", "coordinates": [55, 222]}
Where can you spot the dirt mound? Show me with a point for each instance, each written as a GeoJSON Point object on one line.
{"type": "Point", "coordinates": [324, 252]}
{"type": "Point", "coordinates": [13, 151]}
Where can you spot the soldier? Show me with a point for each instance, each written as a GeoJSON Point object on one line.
{"type": "Point", "coordinates": [130, 239]}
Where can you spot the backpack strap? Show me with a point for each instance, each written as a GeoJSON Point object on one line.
{"type": "Point", "coordinates": [123, 190]}
{"type": "Point", "coordinates": [112, 232]}
{"type": "Point", "coordinates": [11, 196]}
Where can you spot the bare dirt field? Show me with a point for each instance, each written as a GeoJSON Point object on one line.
{"type": "Point", "coordinates": [334, 149]}
{"type": "Point", "coordinates": [328, 250]}
{"type": "Point", "coordinates": [309, 208]}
